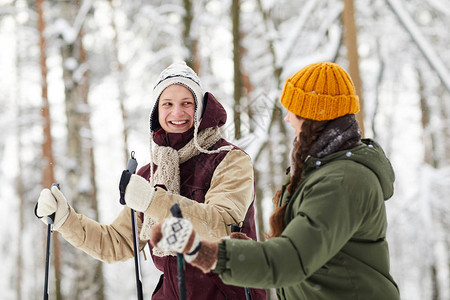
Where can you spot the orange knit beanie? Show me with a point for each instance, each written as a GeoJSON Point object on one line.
{"type": "Point", "coordinates": [321, 91]}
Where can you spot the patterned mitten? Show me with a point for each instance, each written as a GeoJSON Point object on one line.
{"type": "Point", "coordinates": [176, 234]}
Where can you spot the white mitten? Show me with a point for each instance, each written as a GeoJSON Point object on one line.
{"type": "Point", "coordinates": [139, 193]}
{"type": "Point", "coordinates": [53, 201]}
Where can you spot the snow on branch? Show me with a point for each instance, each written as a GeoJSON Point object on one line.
{"type": "Point", "coordinates": [69, 33]}
{"type": "Point", "coordinates": [293, 37]}
{"type": "Point", "coordinates": [81, 17]}
{"type": "Point", "coordinates": [424, 46]}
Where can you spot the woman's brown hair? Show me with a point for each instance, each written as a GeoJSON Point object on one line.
{"type": "Point", "coordinates": [309, 133]}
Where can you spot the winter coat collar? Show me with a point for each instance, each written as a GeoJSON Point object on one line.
{"type": "Point", "coordinates": [369, 154]}
{"type": "Point", "coordinates": [339, 134]}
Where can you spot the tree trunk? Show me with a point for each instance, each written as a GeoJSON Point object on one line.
{"type": "Point", "coordinates": [429, 159]}
{"type": "Point", "coordinates": [235, 15]}
{"type": "Point", "coordinates": [191, 44]}
{"type": "Point", "coordinates": [20, 224]}
{"type": "Point", "coordinates": [429, 138]}
{"type": "Point", "coordinates": [258, 205]}
{"type": "Point", "coordinates": [276, 166]}
{"type": "Point", "coordinates": [87, 281]}
{"type": "Point", "coordinates": [379, 81]}
{"type": "Point", "coordinates": [88, 146]}
{"type": "Point", "coordinates": [120, 84]}
{"type": "Point", "coordinates": [19, 179]}
{"type": "Point", "coordinates": [48, 177]}
{"type": "Point", "coordinates": [350, 37]}
{"type": "Point", "coordinates": [21, 195]}
{"type": "Point", "coordinates": [276, 114]}
{"type": "Point", "coordinates": [444, 138]}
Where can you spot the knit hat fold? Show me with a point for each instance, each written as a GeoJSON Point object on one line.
{"type": "Point", "coordinates": [321, 91]}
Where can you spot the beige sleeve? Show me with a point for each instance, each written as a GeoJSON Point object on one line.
{"type": "Point", "coordinates": [226, 202]}
{"type": "Point", "coordinates": [108, 243]}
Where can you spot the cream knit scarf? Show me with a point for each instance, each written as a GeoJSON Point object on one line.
{"type": "Point", "coordinates": [168, 161]}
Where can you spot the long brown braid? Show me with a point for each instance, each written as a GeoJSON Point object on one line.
{"type": "Point", "coordinates": [310, 131]}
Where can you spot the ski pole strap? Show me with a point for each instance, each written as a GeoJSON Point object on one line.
{"type": "Point", "coordinates": [50, 218]}
{"type": "Point", "coordinates": [196, 249]}
{"type": "Point", "coordinates": [35, 211]}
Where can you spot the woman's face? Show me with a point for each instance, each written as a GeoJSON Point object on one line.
{"type": "Point", "coordinates": [295, 122]}
{"type": "Point", "coordinates": [176, 109]}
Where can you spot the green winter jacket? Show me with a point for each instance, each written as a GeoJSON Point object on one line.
{"type": "Point", "coordinates": [333, 245]}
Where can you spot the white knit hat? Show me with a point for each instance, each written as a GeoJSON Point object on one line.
{"type": "Point", "coordinates": [177, 73]}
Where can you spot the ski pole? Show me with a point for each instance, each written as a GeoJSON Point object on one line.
{"type": "Point", "coordinates": [50, 221]}
{"type": "Point", "coordinates": [131, 169]}
{"type": "Point", "coordinates": [176, 212]}
{"type": "Point", "coordinates": [237, 228]}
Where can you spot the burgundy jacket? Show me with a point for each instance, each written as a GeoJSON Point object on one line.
{"type": "Point", "coordinates": [195, 179]}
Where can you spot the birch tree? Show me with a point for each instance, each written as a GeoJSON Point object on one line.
{"type": "Point", "coordinates": [430, 160]}
{"type": "Point", "coordinates": [80, 168]}
{"type": "Point", "coordinates": [120, 75]}
{"type": "Point", "coordinates": [190, 42]}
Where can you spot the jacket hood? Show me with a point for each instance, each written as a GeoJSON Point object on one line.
{"type": "Point", "coordinates": [369, 154]}
{"type": "Point", "coordinates": [214, 115]}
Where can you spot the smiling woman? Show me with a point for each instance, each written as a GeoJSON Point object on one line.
{"type": "Point", "coordinates": [192, 165]}
{"type": "Point", "coordinates": [176, 109]}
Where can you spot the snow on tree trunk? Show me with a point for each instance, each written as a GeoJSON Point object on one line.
{"type": "Point", "coordinates": [87, 278]}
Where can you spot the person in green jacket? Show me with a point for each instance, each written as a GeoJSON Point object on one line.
{"type": "Point", "coordinates": [328, 231]}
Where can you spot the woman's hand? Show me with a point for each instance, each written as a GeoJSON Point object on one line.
{"type": "Point", "coordinates": [139, 193]}
{"type": "Point", "coordinates": [178, 235]}
{"type": "Point", "coordinates": [52, 201]}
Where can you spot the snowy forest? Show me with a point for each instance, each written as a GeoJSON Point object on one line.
{"type": "Point", "coordinates": [76, 79]}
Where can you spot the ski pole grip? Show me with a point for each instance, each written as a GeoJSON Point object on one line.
{"type": "Point", "coordinates": [126, 175]}
{"type": "Point", "coordinates": [132, 164]}
{"type": "Point", "coordinates": [176, 211]}
{"type": "Point", "coordinates": [51, 218]}
{"type": "Point", "coordinates": [235, 228]}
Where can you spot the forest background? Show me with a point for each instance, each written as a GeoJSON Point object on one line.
{"type": "Point", "coordinates": [76, 80]}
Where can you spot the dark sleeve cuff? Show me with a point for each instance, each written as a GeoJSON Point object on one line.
{"type": "Point", "coordinates": [221, 258]}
